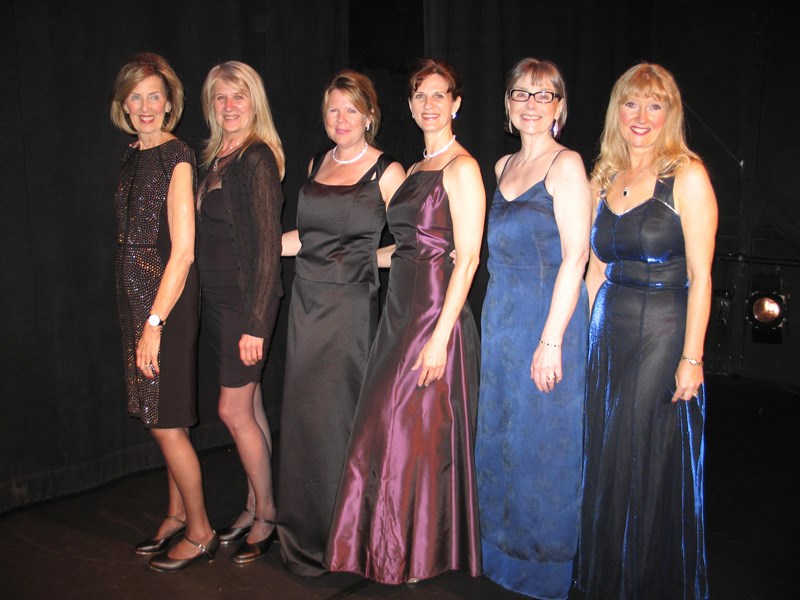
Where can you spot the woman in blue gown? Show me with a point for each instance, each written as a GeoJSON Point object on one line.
{"type": "Point", "coordinates": [642, 533]}
{"type": "Point", "coordinates": [533, 348]}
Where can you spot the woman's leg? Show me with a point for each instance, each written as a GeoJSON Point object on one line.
{"type": "Point", "coordinates": [185, 490]}
{"type": "Point", "coordinates": [242, 411]}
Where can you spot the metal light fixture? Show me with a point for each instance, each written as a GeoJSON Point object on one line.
{"type": "Point", "coordinates": [766, 313]}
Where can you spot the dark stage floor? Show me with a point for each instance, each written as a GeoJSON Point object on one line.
{"type": "Point", "coordinates": [81, 546]}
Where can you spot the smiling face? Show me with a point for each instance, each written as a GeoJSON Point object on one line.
{"type": "Point", "coordinates": [532, 117]}
{"type": "Point", "coordinates": [432, 105]}
{"type": "Point", "coordinates": [233, 110]}
{"type": "Point", "coordinates": [344, 124]}
{"type": "Point", "coordinates": [641, 120]}
{"type": "Point", "coordinates": [146, 105]}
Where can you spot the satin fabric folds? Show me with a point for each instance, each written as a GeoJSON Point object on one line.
{"type": "Point", "coordinates": [642, 532]}
{"type": "Point", "coordinates": [407, 503]}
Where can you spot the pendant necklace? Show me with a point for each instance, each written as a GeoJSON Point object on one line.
{"type": "Point", "coordinates": [444, 148]}
{"type": "Point", "coordinates": [222, 155]}
{"type": "Point", "coordinates": [627, 188]}
{"type": "Point", "coordinates": [352, 160]}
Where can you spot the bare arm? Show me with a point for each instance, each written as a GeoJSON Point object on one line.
{"type": "Point", "coordinates": [572, 205]}
{"type": "Point", "coordinates": [697, 205]}
{"type": "Point", "coordinates": [180, 218]}
{"type": "Point", "coordinates": [290, 243]}
{"type": "Point", "coordinates": [393, 176]}
{"type": "Point", "coordinates": [462, 180]}
{"type": "Point", "coordinates": [596, 271]}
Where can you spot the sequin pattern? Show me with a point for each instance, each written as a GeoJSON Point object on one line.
{"type": "Point", "coordinates": [143, 248]}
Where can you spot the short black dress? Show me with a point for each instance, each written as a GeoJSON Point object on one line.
{"type": "Point", "coordinates": [143, 248]}
{"type": "Point", "coordinates": [224, 314]}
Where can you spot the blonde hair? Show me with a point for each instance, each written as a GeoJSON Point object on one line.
{"type": "Point", "coordinates": [138, 68]}
{"type": "Point", "coordinates": [540, 71]}
{"type": "Point", "coordinates": [361, 92]}
{"type": "Point", "coordinates": [244, 78]}
{"type": "Point", "coordinates": [647, 80]}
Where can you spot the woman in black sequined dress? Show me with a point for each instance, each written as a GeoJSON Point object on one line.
{"type": "Point", "coordinates": [158, 294]}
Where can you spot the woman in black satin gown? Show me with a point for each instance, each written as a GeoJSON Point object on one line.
{"type": "Point", "coordinates": [333, 313]}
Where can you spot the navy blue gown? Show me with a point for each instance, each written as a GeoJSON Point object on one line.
{"type": "Point", "coordinates": [528, 446]}
{"type": "Point", "coordinates": [642, 530]}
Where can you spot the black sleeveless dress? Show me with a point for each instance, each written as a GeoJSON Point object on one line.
{"type": "Point", "coordinates": [332, 322]}
{"type": "Point", "coordinates": [642, 533]}
{"type": "Point", "coordinates": [143, 248]}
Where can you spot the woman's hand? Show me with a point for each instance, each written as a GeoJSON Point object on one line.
{"type": "Point", "coordinates": [251, 349]}
{"type": "Point", "coordinates": [546, 367]}
{"type": "Point", "coordinates": [688, 379]}
{"type": "Point", "coordinates": [431, 362]}
{"type": "Point", "coordinates": [147, 351]}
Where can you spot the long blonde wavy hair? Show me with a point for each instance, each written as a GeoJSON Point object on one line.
{"type": "Point", "coordinates": [646, 80]}
{"type": "Point", "coordinates": [244, 78]}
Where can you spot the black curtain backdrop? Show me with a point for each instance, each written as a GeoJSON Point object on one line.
{"type": "Point", "coordinates": [64, 427]}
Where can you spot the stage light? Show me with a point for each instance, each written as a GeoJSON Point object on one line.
{"type": "Point", "coordinates": [766, 313]}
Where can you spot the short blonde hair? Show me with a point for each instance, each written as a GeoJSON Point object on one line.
{"type": "Point", "coordinates": [540, 71]}
{"type": "Point", "coordinates": [138, 68]}
{"type": "Point", "coordinates": [647, 80]}
{"type": "Point", "coordinates": [244, 78]}
{"type": "Point", "coordinates": [361, 92]}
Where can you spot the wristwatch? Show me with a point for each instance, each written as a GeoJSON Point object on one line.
{"type": "Point", "coordinates": [155, 320]}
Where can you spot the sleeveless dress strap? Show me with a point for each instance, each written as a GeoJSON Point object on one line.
{"type": "Point", "coordinates": [316, 164]}
{"type": "Point", "coordinates": [508, 160]}
{"type": "Point", "coordinates": [383, 162]}
{"type": "Point", "coordinates": [663, 191]}
{"type": "Point", "coordinates": [555, 158]}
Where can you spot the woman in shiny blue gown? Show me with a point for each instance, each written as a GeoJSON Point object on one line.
{"type": "Point", "coordinates": [642, 533]}
{"type": "Point", "coordinates": [533, 347]}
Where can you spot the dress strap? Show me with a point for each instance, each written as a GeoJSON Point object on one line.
{"type": "Point", "coordinates": [508, 160]}
{"type": "Point", "coordinates": [663, 191]}
{"type": "Point", "coordinates": [316, 163]}
{"type": "Point", "coordinates": [376, 171]}
{"type": "Point", "coordinates": [555, 158]}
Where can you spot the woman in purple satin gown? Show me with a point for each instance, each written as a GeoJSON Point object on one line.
{"type": "Point", "coordinates": [407, 503]}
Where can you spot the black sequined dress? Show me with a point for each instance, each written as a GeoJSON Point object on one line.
{"type": "Point", "coordinates": [143, 249]}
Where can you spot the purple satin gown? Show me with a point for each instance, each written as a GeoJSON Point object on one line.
{"type": "Point", "coordinates": [407, 502]}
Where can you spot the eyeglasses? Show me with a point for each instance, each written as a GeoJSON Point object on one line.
{"type": "Point", "coordinates": [542, 96]}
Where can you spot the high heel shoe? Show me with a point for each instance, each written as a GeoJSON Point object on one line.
{"type": "Point", "coordinates": [154, 546]}
{"type": "Point", "coordinates": [164, 563]}
{"type": "Point", "coordinates": [232, 534]}
{"type": "Point", "coordinates": [247, 553]}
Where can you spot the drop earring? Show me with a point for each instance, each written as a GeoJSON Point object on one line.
{"type": "Point", "coordinates": [510, 127]}
{"type": "Point", "coordinates": [555, 129]}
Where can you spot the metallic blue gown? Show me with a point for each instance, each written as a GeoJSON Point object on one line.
{"type": "Point", "coordinates": [642, 533]}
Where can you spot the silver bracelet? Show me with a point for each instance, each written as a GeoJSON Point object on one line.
{"type": "Point", "coordinates": [692, 361]}
{"type": "Point", "coordinates": [543, 343]}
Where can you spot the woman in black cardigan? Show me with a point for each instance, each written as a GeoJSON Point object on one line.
{"type": "Point", "coordinates": [238, 253]}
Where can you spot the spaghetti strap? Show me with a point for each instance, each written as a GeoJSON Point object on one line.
{"type": "Point", "coordinates": [555, 158]}
{"type": "Point", "coordinates": [508, 160]}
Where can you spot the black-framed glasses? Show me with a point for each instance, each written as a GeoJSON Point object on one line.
{"type": "Point", "coordinates": [542, 96]}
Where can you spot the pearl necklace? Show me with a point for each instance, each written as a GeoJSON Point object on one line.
{"type": "Point", "coordinates": [352, 160]}
{"type": "Point", "coordinates": [222, 155]}
{"type": "Point", "coordinates": [441, 150]}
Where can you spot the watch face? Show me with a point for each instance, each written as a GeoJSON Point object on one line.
{"type": "Point", "coordinates": [154, 320]}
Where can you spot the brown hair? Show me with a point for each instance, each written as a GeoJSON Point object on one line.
{"type": "Point", "coordinates": [430, 66]}
{"type": "Point", "coordinates": [138, 68]}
